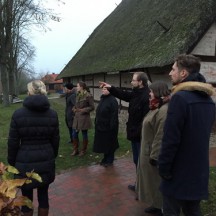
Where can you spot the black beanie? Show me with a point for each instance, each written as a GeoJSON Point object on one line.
{"type": "Point", "coordinates": [69, 86]}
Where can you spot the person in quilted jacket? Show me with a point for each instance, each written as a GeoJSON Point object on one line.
{"type": "Point", "coordinates": [33, 144]}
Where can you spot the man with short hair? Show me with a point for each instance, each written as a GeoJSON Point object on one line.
{"type": "Point", "coordinates": [184, 157]}
{"type": "Point", "coordinates": [138, 100]}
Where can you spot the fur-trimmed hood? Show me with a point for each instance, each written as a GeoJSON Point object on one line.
{"type": "Point", "coordinates": [205, 88]}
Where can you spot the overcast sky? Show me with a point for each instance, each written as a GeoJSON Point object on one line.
{"type": "Point", "coordinates": [55, 48]}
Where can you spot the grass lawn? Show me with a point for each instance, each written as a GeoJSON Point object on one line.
{"type": "Point", "coordinates": [65, 161]}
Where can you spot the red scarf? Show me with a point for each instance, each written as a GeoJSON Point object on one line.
{"type": "Point", "coordinates": [158, 102]}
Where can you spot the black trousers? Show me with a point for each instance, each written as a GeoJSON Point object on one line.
{"type": "Point", "coordinates": [173, 207]}
{"type": "Point", "coordinates": [108, 157]}
{"type": "Point", "coordinates": [42, 195]}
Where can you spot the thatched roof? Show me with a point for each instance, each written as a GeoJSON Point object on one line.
{"type": "Point", "coordinates": [142, 34]}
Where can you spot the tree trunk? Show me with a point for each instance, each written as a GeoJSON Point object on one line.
{"type": "Point", "coordinates": [12, 87]}
{"type": "Point", "coordinates": [4, 80]}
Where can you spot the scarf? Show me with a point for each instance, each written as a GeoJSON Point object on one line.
{"type": "Point", "coordinates": [156, 103]}
{"type": "Point", "coordinates": [81, 95]}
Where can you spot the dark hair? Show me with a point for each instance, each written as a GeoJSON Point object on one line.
{"type": "Point", "coordinates": [141, 76]}
{"type": "Point", "coordinates": [160, 89]}
{"type": "Point", "coordinates": [69, 86]}
{"type": "Point", "coordinates": [83, 85]}
{"type": "Point", "coordinates": [188, 62]}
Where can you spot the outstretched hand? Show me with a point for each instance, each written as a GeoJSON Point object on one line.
{"type": "Point", "coordinates": [104, 84]}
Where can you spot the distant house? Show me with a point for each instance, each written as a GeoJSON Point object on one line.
{"type": "Point", "coordinates": [143, 35]}
{"type": "Point", "coordinates": [53, 85]}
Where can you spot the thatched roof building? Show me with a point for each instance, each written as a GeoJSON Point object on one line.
{"type": "Point", "coordinates": [141, 34]}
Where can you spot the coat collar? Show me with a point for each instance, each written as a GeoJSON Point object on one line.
{"type": "Point", "coordinates": [194, 86]}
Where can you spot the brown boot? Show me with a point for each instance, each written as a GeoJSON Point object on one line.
{"type": "Point", "coordinates": [43, 211]}
{"type": "Point", "coordinates": [75, 146]}
{"type": "Point", "coordinates": [83, 151]}
{"type": "Point", "coordinates": [30, 213]}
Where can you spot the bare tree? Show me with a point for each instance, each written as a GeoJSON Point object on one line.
{"type": "Point", "coordinates": [5, 38]}
{"type": "Point", "coordinates": [23, 57]}
{"type": "Point", "coordinates": [24, 78]}
{"type": "Point", "coordinates": [17, 17]}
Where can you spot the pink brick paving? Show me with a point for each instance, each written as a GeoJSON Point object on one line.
{"type": "Point", "coordinates": [98, 191]}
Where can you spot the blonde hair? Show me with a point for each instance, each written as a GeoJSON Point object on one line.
{"type": "Point", "coordinates": [36, 87]}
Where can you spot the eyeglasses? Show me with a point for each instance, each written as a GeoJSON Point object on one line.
{"type": "Point", "coordinates": [133, 80]}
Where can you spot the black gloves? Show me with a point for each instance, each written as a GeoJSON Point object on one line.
{"type": "Point", "coordinates": [166, 177]}
{"type": "Point", "coordinates": [153, 162]}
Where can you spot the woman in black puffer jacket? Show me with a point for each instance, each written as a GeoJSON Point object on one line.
{"type": "Point", "coordinates": [33, 143]}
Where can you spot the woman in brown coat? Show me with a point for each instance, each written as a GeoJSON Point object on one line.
{"type": "Point", "coordinates": [82, 121]}
{"type": "Point", "coordinates": [148, 179]}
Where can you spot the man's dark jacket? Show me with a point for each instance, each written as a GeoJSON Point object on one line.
{"type": "Point", "coordinates": [138, 100]}
{"type": "Point", "coordinates": [184, 156]}
{"type": "Point", "coordinates": [70, 102]}
{"type": "Point", "coordinates": [34, 139]}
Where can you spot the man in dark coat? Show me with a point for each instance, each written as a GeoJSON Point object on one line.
{"type": "Point", "coordinates": [138, 100]}
{"type": "Point", "coordinates": [106, 128]}
{"type": "Point", "coordinates": [184, 156]}
{"type": "Point", "coordinates": [70, 98]}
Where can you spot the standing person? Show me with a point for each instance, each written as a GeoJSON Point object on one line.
{"type": "Point", "coordinates": [82, 121]}
{"type": "Point", "coordinates": [148, 179]}
{"type": "Point", "coordinates": [138, 100]}
{"type": "Point", "coordinates": [106, 128]}
{"type": "Point", "coordinates": [70, 98]}
{"type": "Point", "coordinates": [33, 144]}
{"type": "Point", "coordinates": [184, 156]}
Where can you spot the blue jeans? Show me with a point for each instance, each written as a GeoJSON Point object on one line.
{"type": "Point", "coordinates": [136, 151]}
{"type": "Point", "coordinates": [76, 134]}
{"type": "Point", "coordinates": [172, 207]}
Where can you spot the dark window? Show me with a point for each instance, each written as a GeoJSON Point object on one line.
{"type": "Point", "coordinates": [51, 86]}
